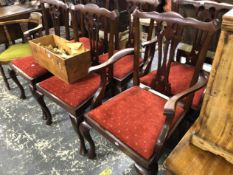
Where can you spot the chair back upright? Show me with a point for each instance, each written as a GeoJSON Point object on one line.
{"type": "Point", "coordinates": [57, 12]}
{"type": "Point", "coordinates": [169, 30]}
{"type": "Point", "coordinates": [94, 19]}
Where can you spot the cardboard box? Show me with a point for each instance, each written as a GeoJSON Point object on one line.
{"type": "Point", "coordinates": [70, 68]}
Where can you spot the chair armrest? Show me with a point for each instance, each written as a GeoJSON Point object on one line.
{"type": "Point", "coordinates": [97, 99]}
{"type": "Point", "coordinates": [170, 106]}
{"type": "Point", "coordinates": [146, 43]}
{"type": "Point", "coordinates": [32, 31]}
{"type": "Point", "coordinates": [169, 109]}
{"type": "Point", "coordinates": [115, 57]}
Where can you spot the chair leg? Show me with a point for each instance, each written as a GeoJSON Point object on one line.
{"type": "Point", "coordinates": [153, 170]}
{"type": "Point", "coordinates": [4, 77]}
{"type": "Point", "coordinates": [85, 130]}
{"type": "Point", "coordinates": [76, 123]}
{"type": "Point", "coordinates": [40, 100]}
{"type": "Point", "coordinates": [13, 76]}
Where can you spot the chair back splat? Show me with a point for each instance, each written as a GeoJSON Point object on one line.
{"type": "Point", "coordinates": [169, 30]}
{"type": "Point", "coordinates": [57, 12]}
{"type": "Point", "coordinates": [94, 19]}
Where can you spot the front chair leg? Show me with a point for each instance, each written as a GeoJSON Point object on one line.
{"type": "Point", "coordinates": [13, 76]}
{"type": "Point", "coordinates": [85, 130]}
{"type": "Point", "coordinates": [4, 77]}
{"type": "Point", "coordinates": [40, 99]}
{"type": "Point", "coordinates": [153, 170]}
{"type": "Point", "coordinates": [76, 123]}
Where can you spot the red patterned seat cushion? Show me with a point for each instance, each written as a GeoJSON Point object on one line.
{"type": "Point", "coordinates": [180, 78]}
{"type": "Point", "coordinates": [135, 117]}
{"type": "Point", "coordinates": [86, 42]}
{"type": "Point", "coordinates": [28, 66]}
{"type": "Point", "coordinates": [121, 68]}
{"type": "Point", "coordinates": [197, 99]}
{"type": "Point", "coordinates": [72, 94]}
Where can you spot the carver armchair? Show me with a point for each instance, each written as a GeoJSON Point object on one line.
{"type": "Point", "coordinates": [139, 121]}
{"type": "Point", "coordinates": [16, 35]}
{"type": "Point", "coordinates": [77, 97]}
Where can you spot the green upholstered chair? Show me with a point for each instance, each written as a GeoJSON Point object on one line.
{"type": "Point", "coordinates": [15, 36]}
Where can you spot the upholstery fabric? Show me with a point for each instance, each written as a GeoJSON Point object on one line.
{"type": "Point", "coordinates": [86, 42]}
{"type": "Point", "coordinates": [198, 98]}
{"type": "Point", "coordinates": [72, 94]}
{"type": "Point", "coordinates": [122, 67]}
{"type": "Point", "coordinates": [135, 117]}
{"type": "Point", "coordinates": [15, 51]}
{"type": "Point", "coordinates": [180, 77]}
{"type": "Point", "coordinates": [29, 66]}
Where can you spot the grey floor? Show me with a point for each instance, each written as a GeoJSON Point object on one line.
{"type": "Point", "coordinates": [29, 147]}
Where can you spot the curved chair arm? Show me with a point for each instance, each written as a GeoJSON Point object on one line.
{"type": "Point", "coordinates": [171, 103]}
{"type": "Point", "coordinates": [146, 43]}
{"type": "Point", "coordinates": [170, 107]}
{"type": "Point", "coordinates": [32, 31]}
{"type": "Point", "coordinates": [97, 99]}
{"type": "Point", "coordinates": [112, 59]}
{"type": "Point", "coordinates": [35, 17]}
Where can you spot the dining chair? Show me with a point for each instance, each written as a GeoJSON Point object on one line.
{"type": "Point", "coordinates": [77, 97]}
{"type": "Point", "coordinates": [204, 11]}
{"type": "Point", "coordinates": [139, 121]}
{"type": "Point", "coordinates": [55, 15]}
{"type": "Point", "coordinates": [16, 34]}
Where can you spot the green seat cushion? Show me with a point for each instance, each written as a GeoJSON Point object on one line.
{"type": "Point", "coordinates": [15, 51]}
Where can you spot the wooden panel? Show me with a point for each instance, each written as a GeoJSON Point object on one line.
{"type": "Point", "coordinates": [214, 129]}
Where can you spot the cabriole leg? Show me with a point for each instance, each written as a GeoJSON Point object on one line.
{"type": "Point", "coordinates": [13, 76]}
{"type": "Point", "coordinates": [40, 99]}
{"type": "Point", "coordinates": [85, 130]}
{"type": "Point", "coordinates": [75, 123]}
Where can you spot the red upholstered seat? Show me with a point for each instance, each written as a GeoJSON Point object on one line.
{"type": "Point", "coordinates": [86, 42]}
{"type": "Point", "coordinates": [121, 68]}
{"type": "Point", "coordinates": [28, 66]}
{"type": "Point", "coordinates": [180, 78]}
{"type": "Point", "coordinates": [72, 94]}
{"type": "Point", "coordinates": [198, 98]}
{"type": "Point", "coordinates": [135, 117]}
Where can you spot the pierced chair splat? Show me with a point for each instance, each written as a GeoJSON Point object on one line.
{"type": "Point", "coordinates": [172, 77]}
{"type": "Point", "coordinates": [122, 70]}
